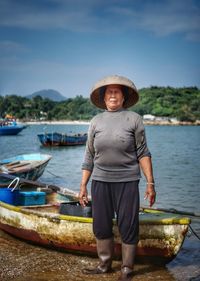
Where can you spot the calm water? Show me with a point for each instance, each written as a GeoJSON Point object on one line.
{"type": "Point", "coordinates": [176, 161]}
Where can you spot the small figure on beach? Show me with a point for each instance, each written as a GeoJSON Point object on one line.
{"type": "Point", "coordinates": [115, 154]}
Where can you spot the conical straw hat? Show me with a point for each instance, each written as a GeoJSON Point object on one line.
{"type": "Point", "coordinates": [131, 93]}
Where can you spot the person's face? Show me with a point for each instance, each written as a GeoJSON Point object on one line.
{"type": "Point", "coordinates": [113, 97]}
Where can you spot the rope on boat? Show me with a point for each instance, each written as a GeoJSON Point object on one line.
{"type": "Point", "coordinates": [54, 174]}
{"type": "Point", "coordinates": [192, 230]}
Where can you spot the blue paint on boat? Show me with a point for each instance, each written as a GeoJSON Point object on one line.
{"type": "Point", "coordinates": [10, 128]}
{"type": "Point", "coordinates": [28, 166]}
{"type": "Point", "coordinates": [58, 139]}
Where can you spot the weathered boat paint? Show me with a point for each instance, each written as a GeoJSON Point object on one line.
{"type": "Point", "coordinates": [59, 139]}
{"type": "Point", "coordinates": [28, 166]}
{"type": "Point", "coordinates": [161, 235]}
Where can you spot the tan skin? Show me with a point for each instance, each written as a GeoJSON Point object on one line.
{"type": "Point", "coordinates": [114, 100]}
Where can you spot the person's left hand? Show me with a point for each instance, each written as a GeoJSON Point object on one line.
{"type": "Point", "coordinates": [150, 194]}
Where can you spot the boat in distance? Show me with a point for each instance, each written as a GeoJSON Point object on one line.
{"type": "Point", "coordinates": [161, 234]}
{"type": "Point", "coordinates": [30, 166]}
{"type": "Point", "coordinates": [10, 127]}
{"type": "Point", "coordinates": [59, 139]}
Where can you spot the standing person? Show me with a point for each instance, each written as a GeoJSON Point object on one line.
{"type": "Point", "coordinates": [116, 150]}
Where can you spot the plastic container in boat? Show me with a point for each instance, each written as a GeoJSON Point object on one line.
{"type": "Point", "coordinates": [75, 209]}
{"type": "Point", "coordinates": [10, 195]}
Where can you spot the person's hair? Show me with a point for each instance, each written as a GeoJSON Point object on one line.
{"type": "Point", "coordinates": [102, 94]}
{"type": "Point", "coordinates": [125, 93]}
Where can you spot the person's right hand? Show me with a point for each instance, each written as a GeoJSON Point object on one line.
{"type": "Point", "coordinates": [83, 196]}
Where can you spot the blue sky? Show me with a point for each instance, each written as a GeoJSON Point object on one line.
{"type": "Point", "coordinates": [67, 45]}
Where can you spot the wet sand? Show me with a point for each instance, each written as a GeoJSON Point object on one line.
{"type": "Point", "coordinates": [21, 261]}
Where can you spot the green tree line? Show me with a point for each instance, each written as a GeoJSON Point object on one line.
{"type": "Point", "coordinates": [181, 103]}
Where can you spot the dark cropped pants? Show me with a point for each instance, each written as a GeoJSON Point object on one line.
{"type": "Point", "coordinates": [120, 199]}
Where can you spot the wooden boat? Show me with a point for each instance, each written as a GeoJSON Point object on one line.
{"type": "Point", "coordinates": [161, 234]}
{"type": "Point", "coordinates": [58, 139]}
{"type": "Point", "coordinates": [8, 127]}
{"type": "Point", "coordinates": [29, 166]}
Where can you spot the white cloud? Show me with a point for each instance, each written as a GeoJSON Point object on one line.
{"type": "Point", "coordinates": [11, 48]}
{"type": "Point", "coordinates": [168, 17]}
{"type": "Point", "coordinates": [69, 15]}
{"type": "Point", "coordinates": [159, 17]}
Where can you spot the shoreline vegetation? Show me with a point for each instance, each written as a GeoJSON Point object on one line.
{"type": "Point", "coordinates": [78, 122]}
{"type": "Point", "coordinates": [157, 105]}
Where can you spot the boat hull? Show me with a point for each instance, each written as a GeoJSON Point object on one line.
{"type": "Point", "coordinates": [160, 238]}
{"type": "Point", "coordinates": [27, 166]}
{"type": "Point", "coordinates": [57, 139]}
{"type": "Point", "coordinates": [11, 130]}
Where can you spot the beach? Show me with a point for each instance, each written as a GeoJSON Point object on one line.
{"type": "Point", "coordinates": [78, 122]}
{"type": "Point", "coordinates": [21, 261]}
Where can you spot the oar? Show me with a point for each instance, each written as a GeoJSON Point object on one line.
{"type": "Point", "coordinates": [171, 210]}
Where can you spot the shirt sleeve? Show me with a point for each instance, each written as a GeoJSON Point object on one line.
{"type": "Point", "coordinates": [88, 161]}
{"type": "Point", "coordinates": [140, 138]}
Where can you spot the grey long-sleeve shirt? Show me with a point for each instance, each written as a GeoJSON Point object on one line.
{"type": "Point", "coordinates": [116, 142]}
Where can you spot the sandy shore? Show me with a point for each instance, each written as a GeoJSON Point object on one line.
{"type": "Point", "coordinates": [21, 261]}
{"type": "Point", "coordinates": [68, 122]}
{"type": "Point", "coordinates": [54, 122]}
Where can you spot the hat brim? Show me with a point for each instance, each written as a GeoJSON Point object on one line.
{"type": "Point", "coordinates": [131, 96]}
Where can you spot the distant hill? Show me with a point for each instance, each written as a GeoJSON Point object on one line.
{"type": "Point", "coordinates": [50, 94]}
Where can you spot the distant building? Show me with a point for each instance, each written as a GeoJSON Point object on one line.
{"type": "Point", "coordinates": [174, 120]}
{"type": "Point", "coordinates": [149, 117]}
{"type": "Point", "coordinates": [162, 119]}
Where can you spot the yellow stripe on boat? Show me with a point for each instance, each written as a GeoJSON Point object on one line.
{"type": "Point", "coordinates": [148, 217]}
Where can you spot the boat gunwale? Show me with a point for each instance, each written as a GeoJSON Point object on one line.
{"type": "Point", "coordinates": [34, 161]}
{"type": "Point", "coordinates": [30, 210]}
{"type": "Point", "coordinates": [44, 158]}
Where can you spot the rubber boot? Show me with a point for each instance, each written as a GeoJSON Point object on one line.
{"type": "Point", "coordinates": [105, 249]}
{"type": "Point", "coordinates": [128, 258]}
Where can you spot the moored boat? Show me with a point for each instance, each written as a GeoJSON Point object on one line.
{"type": "Point", "coordinates": [30, 166]}
{"type": "Point", "coordinates": [58, 139]}
{"type": "Point", "coordinates": [10, 127]}
{"type": "Point", "coordinates": [161, 234]}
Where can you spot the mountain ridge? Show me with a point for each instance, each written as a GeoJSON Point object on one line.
{"type": "Point", "coordinates": [48, 93]}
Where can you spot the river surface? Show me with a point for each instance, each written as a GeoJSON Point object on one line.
{"type": "Point", "coordinates": [176, 160]}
